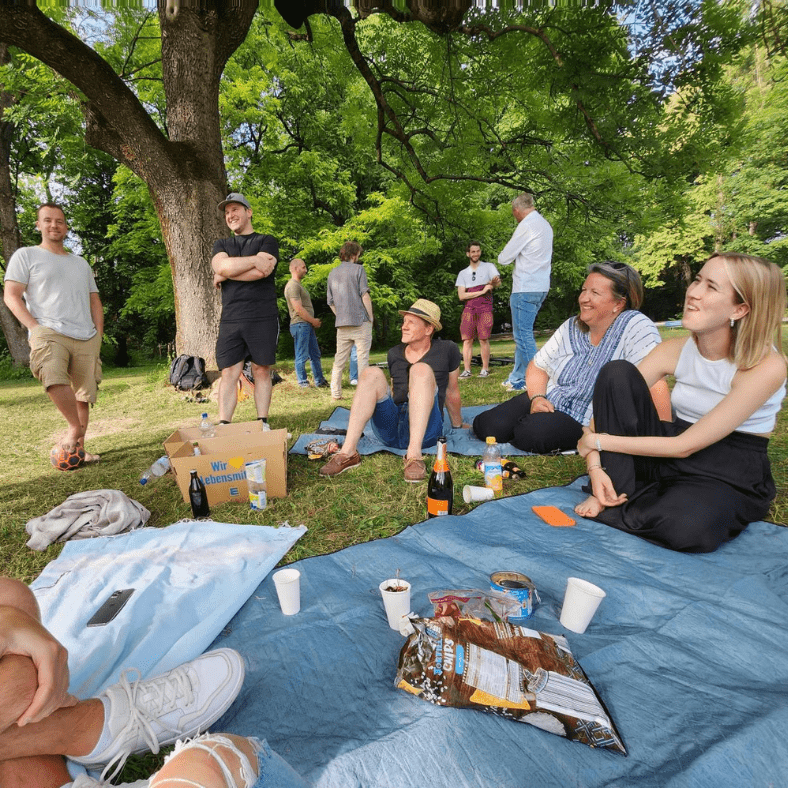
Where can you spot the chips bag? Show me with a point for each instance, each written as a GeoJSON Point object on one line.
{"type": "Point", "coordinates": [511, 671]}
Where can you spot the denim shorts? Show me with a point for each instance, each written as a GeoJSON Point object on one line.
{"type": "Point", "coordinates": [273, 770]}
{"type": "Point", "coordinates": [392, 424]}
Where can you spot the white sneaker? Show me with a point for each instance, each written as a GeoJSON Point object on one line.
{"type": "Point", "coordinates": [148, 714]}
{"type": "Point", "coordinates": [354, 382]}
{"type": "Point", "coordinates": [485, 373]}
{"type": "Point", "coordinates": [465, 374]}
{"type": "Point", "coordinates": [511, 387]}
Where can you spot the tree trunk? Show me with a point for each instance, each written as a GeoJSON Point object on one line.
{"type": "Point", "coordinates": [14, 332]}
{"type": "Point", "coordinates": [184, 172]}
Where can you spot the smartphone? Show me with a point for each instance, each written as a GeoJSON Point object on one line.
{"type": "Point", "coordinates": [110, 608]}
{"type": "Point", "coordinates": [552, 515]}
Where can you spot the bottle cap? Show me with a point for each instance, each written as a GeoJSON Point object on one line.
{"type": "Point", "coordinates": [490, 439]}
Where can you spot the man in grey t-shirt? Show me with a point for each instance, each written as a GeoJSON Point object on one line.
{"type": "Point", "coordinates": [348, 296]}
{"type": "Point", "coordinates": [53, 293]}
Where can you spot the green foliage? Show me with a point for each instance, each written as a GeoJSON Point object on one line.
{"type": "Point", "coordinates": [140, 260]}
{"type": "Point", "coordinates": [737, 203]}
{"type": "Point", "coordinates": [622, 126]}
{"type": "Point", "coordinates": [399, 254]}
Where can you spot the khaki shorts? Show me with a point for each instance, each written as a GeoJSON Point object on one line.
{"type": "Point", "coordinates": [58, 360]}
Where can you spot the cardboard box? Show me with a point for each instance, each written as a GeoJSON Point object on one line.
{"type": "Point", "coordinates": [221, 464]}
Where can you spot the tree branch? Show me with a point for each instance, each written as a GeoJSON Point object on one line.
{"type": "Point", "coordinates": [112, 111]}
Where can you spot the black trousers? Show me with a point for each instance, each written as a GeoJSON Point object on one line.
{"type": "Point", "coordinates": [540, 433]}
{"type": "Point", "coordinates": [691, 504]}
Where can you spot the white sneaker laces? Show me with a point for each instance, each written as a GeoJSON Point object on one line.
{"type": "Point", "coordinates": [161, 696]}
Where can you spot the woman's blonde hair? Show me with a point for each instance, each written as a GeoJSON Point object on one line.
{"type": "Point", "coordinates": [761, 285]}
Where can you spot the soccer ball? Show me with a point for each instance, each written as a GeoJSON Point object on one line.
{"type": "Point", "coordinates": [67, 459]}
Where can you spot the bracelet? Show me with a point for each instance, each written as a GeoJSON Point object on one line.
{"type": "Point", "coordinates": [537, 396]}
{"type": "Point", "coordinates": [594, 467]}
{"type": "Point", "coordinates": [456, 427]}
{"type": "Point", "coordinates": [598, 445]}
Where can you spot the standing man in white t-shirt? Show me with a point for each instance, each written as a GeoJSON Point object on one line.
{"type": "Point", "coordinates": [474, 287]}
{"type": "Point", "coordinates": [53, 293]}
{"type": "Point", "coordinates": [531, 250]}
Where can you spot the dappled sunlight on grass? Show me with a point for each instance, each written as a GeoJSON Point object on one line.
{"type": "Point", "coordinates": [137, 410]}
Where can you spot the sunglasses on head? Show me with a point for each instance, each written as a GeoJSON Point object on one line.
{"type": "Point", "coordinates": [617, 267]}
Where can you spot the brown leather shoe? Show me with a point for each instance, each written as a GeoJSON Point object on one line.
{"type": "Point", "coordinates": [415, 470]}
{"type": "Point", "coordinates": [340, 463]}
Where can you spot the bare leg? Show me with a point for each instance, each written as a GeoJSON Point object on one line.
{"type": "Point", "coordinates": [262, 389]}
{"type": "Point", "coordinates": [484, 345]}
{"type": "Point", "coordinates": [200, 767]}
{"type": "Point", "coordinates": [228, 391]}
{"type": "Point", "coordinates": [44, 771]}
{"type": "Point", "coordinates": [467, 354]}
{"type": "Point", "coordinates": [66, 402]}
{"type": "Point", "coordinates": [421, 395]}
{"type": "Point", "coordinates": [371, 387]}
{"type": "Point", "coordinates": [73, 730]}
{"type": "Point", "coordinates": [18, 683]}
{"type": "Point", "coordinates": [83, 408]}
{"type": "Point", "coordinates": [16, 594]}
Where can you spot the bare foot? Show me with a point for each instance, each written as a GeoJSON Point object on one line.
{"type": "Point", "coordinates": [591, 507]}
{"type": "Point", "coordinates": [68, 444]}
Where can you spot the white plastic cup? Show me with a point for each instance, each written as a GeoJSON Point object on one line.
{"type": "Point", "coordinates": [288, 589]}
{"type": "Point", "coordinates": [471, 494]}
{"type": "Point", "coordinates": [396, 603]}
{"type": "Point", "coordinates": [580, 603]}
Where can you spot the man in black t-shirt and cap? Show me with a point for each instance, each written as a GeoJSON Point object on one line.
{"type": "Point", "coordinates": [243, 267]}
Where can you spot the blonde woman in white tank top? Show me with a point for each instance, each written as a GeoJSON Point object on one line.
{"type": "Point", "coordinates": [696, 482]}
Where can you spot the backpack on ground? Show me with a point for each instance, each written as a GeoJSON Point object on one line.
{"type": "Point", "coordinates": [188, 373]}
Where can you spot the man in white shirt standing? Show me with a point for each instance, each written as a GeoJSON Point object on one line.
{"type": "Point", "coordinates": [531, 250]}
{"type": "Point", "coordinates": [53, 293]}
{"type": "Point", "coordinates": [474, 288]}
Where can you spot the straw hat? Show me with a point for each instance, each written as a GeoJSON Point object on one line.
{"type": "Point", "coordinates": [426, 310]}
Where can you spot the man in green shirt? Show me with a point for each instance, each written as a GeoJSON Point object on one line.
{"type": "Point", "coordinates": [302, 326]}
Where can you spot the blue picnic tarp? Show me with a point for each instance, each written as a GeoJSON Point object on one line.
{"type": "Point", "coordinates": [459, 441]}
{"type": "Point", "coordinates": [688, 652]}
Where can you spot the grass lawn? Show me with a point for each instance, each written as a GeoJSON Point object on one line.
{"type": "Point", "coordinates": [137, 410]}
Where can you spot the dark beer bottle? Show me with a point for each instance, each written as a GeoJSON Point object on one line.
{"type": "Point", "coordinates": [440, 490]}
{"type": "Point", "coordinates": [198, 496]}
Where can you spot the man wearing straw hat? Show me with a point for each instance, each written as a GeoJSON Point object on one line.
{"type": "Point", "coordinates": [425, 374]}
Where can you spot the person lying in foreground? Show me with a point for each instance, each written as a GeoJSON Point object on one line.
{"type": "Point", "coordinates": [698, 481]}
{"type": "Point", "coordinates": [560, 379]}
{"type": "Point", "coordinates": [40, 722]}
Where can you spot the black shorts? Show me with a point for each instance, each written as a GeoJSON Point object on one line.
{"type": "Point", "coordinates": [239, 340]}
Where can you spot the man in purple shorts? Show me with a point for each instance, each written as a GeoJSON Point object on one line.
{"type": "Point", "coordinates": [424, 373]}
{"type": "Point", "coordinates": [474, 287]}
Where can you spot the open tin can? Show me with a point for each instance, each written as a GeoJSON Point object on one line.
{"type": "Point", "coordinates": [521, 588]}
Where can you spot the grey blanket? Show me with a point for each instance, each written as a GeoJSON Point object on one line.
{"type": "Point", "coordinates": [84, 515]}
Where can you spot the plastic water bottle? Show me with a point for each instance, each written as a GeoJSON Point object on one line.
{"type": "Point", "coordinates": [493, 474]}
{"type": "Point", "coordinates": [255, 480]}
{"type": "Point", "coordinates": [206, 428]}
{"type": "Point", "coordinates": [159, 468]}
